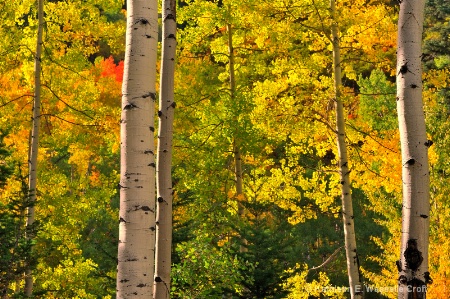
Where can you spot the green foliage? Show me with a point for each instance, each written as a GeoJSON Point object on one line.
{"type": "Point", "coordinates": [5, 166]}
{"type": "Point", "coordinates": [281, 114]}
{"type": "Point", "coordinates": [16, 252]}
{"type": "Point", "coordinates": [436, 34]}
{"type": "Point", "coordinates": [206, 270]}
{"type": "Point", "coordinates": [377, 102]}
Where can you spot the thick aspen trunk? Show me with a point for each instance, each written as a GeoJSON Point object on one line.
{"type": "Point", "coordinates": [137, 174]}
{"type": "Point", "coordinates": [34, 142]}
{"type": "Point", "coordinates": [413, 264]}
{"type": "Point", "coordinates": [356, 288]}
{"type": "Point", "coordinates": [164, 157]}
{"type": "Point", "coordinates": [236, 148]}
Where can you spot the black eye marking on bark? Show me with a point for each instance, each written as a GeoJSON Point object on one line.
{"type": "Point", "coordinates": [173, 105]}
{"type": "Point", "coordinates": [150, 94]}
{"type": "Point", "coordinates": [423, 216]}
{"type": "Point", "coordinates": [411, 162]}
{"type": "Point", "coordinates": [121, 187]}
{"type": "Point", "coordinates": [122, 220]}
{"type": "Point", "coordinates": [129, 106]}
{"type": "Point", "coordinates": [428, 279]}
{"type": "Point", "coordinates": [404, 68]}
{"type": "Point", "coordinates": [160, 199]}
{"type": "Point", "coordinates": [413, 86]}
{"type": "Point", "coordinates": [152, 165]}
{"type": "Point", "coordinates": [428, 143]}
{"type": "Point", "coordinates": [152, 129]}
{"type": "Point", "coordinates": [148, 152]}
{"type": "Point", "coordinates": [170, 17]}
{"type": "Point", "coordinates": [399, 265]}
{"type": "Point", "coordinates": [142, 21]}
{"type": "Point", "coordinates": [412, 255]}
{"type": "Point", "coordinates": [159, 113]}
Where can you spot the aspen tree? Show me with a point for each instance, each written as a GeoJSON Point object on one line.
{"type": "Point", "coordinates": [236, 148]}
{"type": "Point", "coordinates": [344, 170]}
{"type": "Point", "coordinates": [137, 174]}
{"type": "Point", "coordinates": [164, 157]}
{"type": "Point", "coordinates": [34, 142]}
{"type": "Point", "coordinates": [413, 263]}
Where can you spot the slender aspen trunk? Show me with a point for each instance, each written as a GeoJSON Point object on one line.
{"type": "Point", "coordinates": [137, 170]}
{"type": "Point", "coordinates": [236, 148]}
{"type": "Point", "coordinates": [34, 142]}
{"type": "Point", "coordinates": [413, 264]}
{"type": "Point", "coordinates": [164, 157]}
{"type": "Point", "coordinates": [347, 207]}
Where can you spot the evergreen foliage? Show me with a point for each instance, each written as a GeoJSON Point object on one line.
{"type": "Point", "coordinates": [16, 250]}
{"type": "Point", "coordinates": [281, 114]}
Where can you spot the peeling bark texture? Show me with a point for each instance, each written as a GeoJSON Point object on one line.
{"type": "Point", "coordinates": [164, 158]}
{"type": "Point", "coordinates": [34, 142]}
{"type": "Point", "coordinates": [413, 265]}
{"type": "Point", "coordinates": [347, 207]}
{"type": "Point", "coordinates": [135, 267]}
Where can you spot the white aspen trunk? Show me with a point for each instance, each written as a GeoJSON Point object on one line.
{"type": "Point", "coordinates": [356, 288]}
{"type": "Point", "coordinates": [236, 149]}
{"type": "Point", "coordinates": [34, 142]}
{"type": "Point", "coordinates": [413, 264]}
{"type": "Point", "coordinates": [164, 157]}
{"type": "Point", "coordinates": [137, 170]}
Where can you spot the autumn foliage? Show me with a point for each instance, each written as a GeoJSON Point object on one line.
{"type": "Point", "coordinates": [282, 114]}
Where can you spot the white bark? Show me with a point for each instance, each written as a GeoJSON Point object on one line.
{"type": "Point", "coordinates": [137, 175]}
{"type": "Point", "coordinates": [34, 142]}
{"type": "Point", "coordinates": [164, 157]}
{"type": "Point", "coordinates": [413, 266]}
{"type": "Point", "coordinates": [356, 288]}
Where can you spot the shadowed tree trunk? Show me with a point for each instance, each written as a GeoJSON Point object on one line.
{"type": "Point", "coordinates": [236, 145]}
{"type": "Point", "coordinates": [164, 158]}
{"type": "Point", "coordinates": [135, 270]}
{"type": "Point", "coordinates": [356, 289]}
{"type": "Point", "coordinates": [413, 264]}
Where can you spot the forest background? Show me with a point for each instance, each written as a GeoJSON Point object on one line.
{"type": "Point", "coordinates": [281, 117]}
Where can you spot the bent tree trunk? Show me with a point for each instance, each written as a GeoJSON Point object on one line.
{"type": "Point", "coordinates": [344, 172]}
{"type": "Point", "coordinates": [413, 264]}
{"type": "Point", "coordinates": [164, 158]}
{"type": "Point", "coordinates": [34, 142]}
{"type": "Point", "coordinates": [137, 170]}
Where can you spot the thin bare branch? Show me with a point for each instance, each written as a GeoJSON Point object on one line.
{"type": "Point", "coordinates": [327, 261]}
{"type": "Point", "coordinates": [68, 121]}
{"type": "Point", "coordinates": [65, 103]}
{"type": "Point", "coordinates": [15, 99]}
